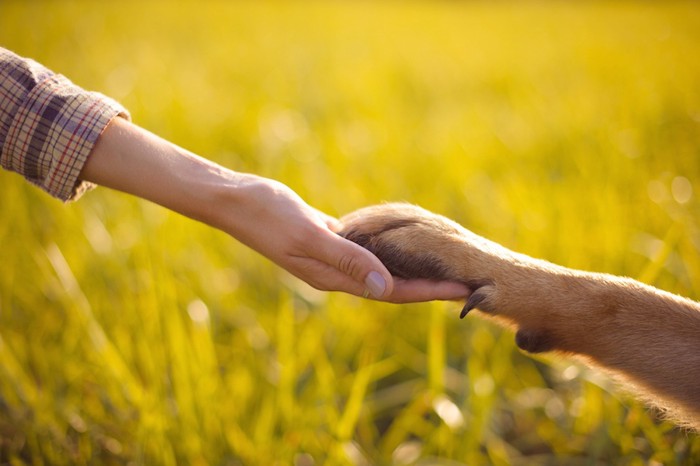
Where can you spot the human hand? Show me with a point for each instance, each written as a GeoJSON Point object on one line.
{"type": "Point", "coordinates": [272, 219]}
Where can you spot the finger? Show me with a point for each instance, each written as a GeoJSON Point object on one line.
{"type": "Point", "coordinates": [325, 277]}
{"type": "Point", "coordinates": [419, 290]}
{"type": "Point", "coordinates": [331, 222]}
{"type": "Point", "coordinates": [357, 263]}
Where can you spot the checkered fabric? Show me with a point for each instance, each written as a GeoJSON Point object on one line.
{"type": "Point", "coordinates": [48, 125]}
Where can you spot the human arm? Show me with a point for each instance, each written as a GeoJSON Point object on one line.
{"type": "Point", "coordinates": [65, 140]}
{"type": "Point", "coordinates": [263, 214]}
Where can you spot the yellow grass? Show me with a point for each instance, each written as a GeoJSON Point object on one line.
{"type": "Point", "coordinates": [565, 130]}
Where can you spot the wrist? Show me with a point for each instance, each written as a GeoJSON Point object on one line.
{"type": "Point", "coordinates": [223, 198]}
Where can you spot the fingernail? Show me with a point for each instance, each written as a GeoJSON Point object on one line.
{"type": "Point", "coordinates": [376, 284]}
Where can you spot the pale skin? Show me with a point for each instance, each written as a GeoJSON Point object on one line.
{"type": "Point", "coordinates": [261, 213]}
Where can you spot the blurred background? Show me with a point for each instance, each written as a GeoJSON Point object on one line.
{"type": "Point", "coordinates": [565, 130]}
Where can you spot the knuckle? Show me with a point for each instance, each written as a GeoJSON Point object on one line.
{"type": "Point", "coordinates": [350, 265]}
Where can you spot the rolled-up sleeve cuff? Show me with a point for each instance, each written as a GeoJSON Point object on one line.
{"type": "Point", "coordinates": [57, 127]}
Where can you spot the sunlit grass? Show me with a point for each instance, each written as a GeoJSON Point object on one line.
{"type": "Point", "coordinates": [131, 335]}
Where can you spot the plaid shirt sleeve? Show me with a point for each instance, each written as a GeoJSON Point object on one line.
{"type": "Point", "coordinates": [48, 125]}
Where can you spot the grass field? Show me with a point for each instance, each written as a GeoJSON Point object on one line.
{"type": "Point", "coordinates": [565, 130]}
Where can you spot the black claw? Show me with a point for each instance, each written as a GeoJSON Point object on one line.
{"type": "Point", "coordinates": [474, 300]}
{"type": "Point", "coordinates": [477, 297]}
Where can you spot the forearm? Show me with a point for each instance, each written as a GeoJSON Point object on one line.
{"type": "Point", "coordinates": [648, 338]}
{"type": "Point", "coordinates": [645, 337]}
{"type": "Point", "coordinates": [132, 160]}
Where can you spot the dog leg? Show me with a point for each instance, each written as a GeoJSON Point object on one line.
{"type": "Point", "coordinates": [648, 338]}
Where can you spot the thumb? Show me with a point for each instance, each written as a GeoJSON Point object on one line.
{"type": "Point", "coordinates": [359, 264]}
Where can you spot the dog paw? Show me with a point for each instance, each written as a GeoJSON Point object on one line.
{"type": "Point", "coordinates": [415, 243]}
{"type": "Point", "coordinates": [407, 239]}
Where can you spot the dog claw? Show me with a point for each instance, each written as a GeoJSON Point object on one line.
{"type": "Point", "coordinates": [476, 298]}
{"type": "Point", "coordinates": [481, 290]}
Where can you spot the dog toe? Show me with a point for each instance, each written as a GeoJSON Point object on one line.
{"type": "Point", "coordinates": [482, 291]}
{"type": "Point", "coordinates": [534, 341]}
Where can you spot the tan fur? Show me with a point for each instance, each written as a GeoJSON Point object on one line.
{"type": "Point", "coordinates": [646, 337]}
